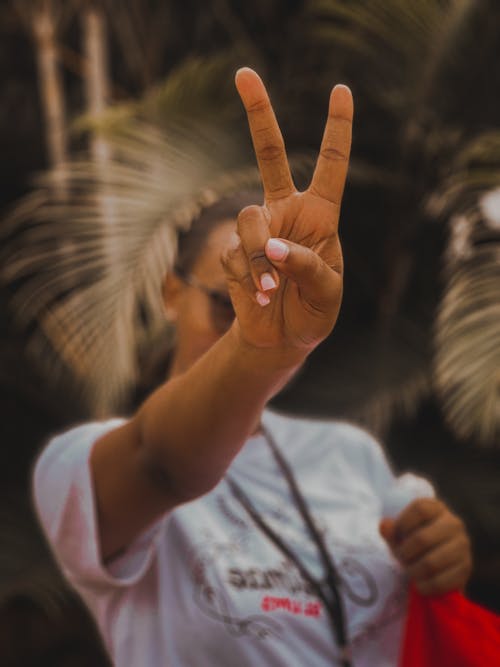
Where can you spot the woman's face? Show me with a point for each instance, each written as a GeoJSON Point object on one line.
{"type": "Point", "coordinates": [199, 318]}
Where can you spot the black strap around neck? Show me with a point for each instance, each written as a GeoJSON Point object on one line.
{"type": "Point", "coordinates": [332, 601]}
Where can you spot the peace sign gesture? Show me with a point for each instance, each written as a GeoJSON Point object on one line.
{"type": "Point", "coordinates": [285, 267]}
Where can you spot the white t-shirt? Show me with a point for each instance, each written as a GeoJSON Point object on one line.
{"type": "Point", "coordinates": [205, 587]}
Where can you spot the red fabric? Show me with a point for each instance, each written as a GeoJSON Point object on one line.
{"type": "Point", "coordinates": [449, 631]}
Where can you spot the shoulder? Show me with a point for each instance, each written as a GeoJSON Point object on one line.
{"type": "Point", "coordinates": [64, 456]}
{"type": "Point", "coordinates": [74, 442]}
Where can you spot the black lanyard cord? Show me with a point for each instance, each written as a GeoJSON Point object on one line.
{"type": "Point", "coordinates": [333, 603]}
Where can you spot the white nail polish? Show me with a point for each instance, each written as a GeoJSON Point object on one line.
{"type": "Point", "coordinates": [262, 299]}
{"type": "Point", "coordinates": [267, 282]}
{"type": "Point", "coordinates": [276, 249]}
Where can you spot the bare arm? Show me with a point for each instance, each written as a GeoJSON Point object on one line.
{"type": "Point", "coordinates": [182, 439]}
{"type": "Point", "coordinates": [184, 436]}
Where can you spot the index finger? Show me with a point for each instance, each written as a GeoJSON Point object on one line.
{"type": "Point", "coordinates": [266, 135]}
{"type": "Point", "coordinates": [331, 169]}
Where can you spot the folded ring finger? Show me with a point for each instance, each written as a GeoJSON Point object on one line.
{"type": "Point", "coordinates": [239, 276]}
{"type": "Point", "coordinates": [253, 229]}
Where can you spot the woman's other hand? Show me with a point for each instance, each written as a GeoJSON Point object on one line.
{"type": "Point", "coordinates": [432, 545]}
{"type": "Point", "coordinates": [285, 268]}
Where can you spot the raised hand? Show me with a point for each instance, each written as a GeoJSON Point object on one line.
{"type": "Point", "coordinates": [285, 267]}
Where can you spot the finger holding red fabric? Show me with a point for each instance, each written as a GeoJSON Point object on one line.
{"type": "Point", "coordinates": [432, 545]}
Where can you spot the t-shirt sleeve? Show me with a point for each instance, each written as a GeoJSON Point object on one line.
{"type": "Point", "coordinates": [64, 501]}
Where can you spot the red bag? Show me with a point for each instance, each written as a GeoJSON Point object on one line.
{"type": "Point", "coordinates": [449, 631]}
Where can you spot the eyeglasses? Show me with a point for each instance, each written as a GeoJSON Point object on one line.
{"type": "Point", "coordinates": [221, 307]}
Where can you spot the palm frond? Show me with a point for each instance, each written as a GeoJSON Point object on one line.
{"type": "Point", "coordinates": [199, 88]}
{"type": "Point", "coordinates": [467, 357]}
{"type": "Point", "coordinates": [400, 48]}
{"type": "Point", "coordinates": [88, 270]}
{"type": "Point", "coordinates": [401, 25]}
{"type": "Point", "coordinates": [473, 171]}
{"type": "Point", "coordinates": [467, 330]}
{"type": "Point", "coordinates": [210, 80]}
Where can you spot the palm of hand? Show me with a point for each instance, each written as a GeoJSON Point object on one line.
{"type": "Point", "coordinates": [303, 308]}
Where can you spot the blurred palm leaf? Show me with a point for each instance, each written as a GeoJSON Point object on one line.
{"type": "Point", "coordinates": [410, 144]}
{"type": "Point", "coordinates": [467, 331]}
{"type": "Point", "coordinates": [88, 270]}
{"type": "Point", "coordinates": [197, 88]}
{"type": "Point", "coordinates": [404, 44]}
{"type": "Point", "coordinates": [94, 295]}
{"type": "Point", "coordinates": [404, 59]}
{"type": "Point", "coordinates": [467, 366]}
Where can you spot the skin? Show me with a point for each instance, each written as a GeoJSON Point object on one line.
{"type": "Point", "coordinates": [429, 541]}
{"type": "Point", "coordinates": [283, 269]}
{"type": "Point", "coordinates": [189, 308]}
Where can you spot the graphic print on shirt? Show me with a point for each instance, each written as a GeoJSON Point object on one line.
{"type": "Point", "coordinates": [361, 587]}
{"type": "Point", "coordinates": [210, 594]}
{"type": "Point", "coordinates": [251, 595]}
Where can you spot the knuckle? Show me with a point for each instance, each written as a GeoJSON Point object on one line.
{"type": "Point", "coordinates": [224, 259]}
{"type": "Point", "coordinates": [423, 508]}
{"type": "Point", "coordinates": [257, 256]}
{"type": "Point", "coordinates": [258, 261]}
{"type": "Point", "coordinates": [333, 154]}
{"type": "Point", "coordinates": [234, 263]}
{"type": "Point", "coordinates": [258, 106]}
{"type": "Point", "coordinates": [270, 152]}
{"type": "Point", "coordinates": [343, 122]}
{"type": "Point", "coordinates": [419, 541]}
{"type": "Point", "coordinates": [276, 191]}
{"type": "Point", "coordinates": [228, 256]}
{"type": "Point", "coordinates": [248, 215]}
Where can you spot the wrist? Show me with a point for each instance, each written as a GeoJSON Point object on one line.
{"type": "Point", "coordinates": [265, 360]}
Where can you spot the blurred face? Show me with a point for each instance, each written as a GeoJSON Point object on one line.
{"type": "Point", "coordinates": [199, 304]}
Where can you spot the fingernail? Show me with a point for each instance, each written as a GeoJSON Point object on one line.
{"type": "Point", "coordinates": [267, 282]}
{"type": "Point", "coordinates": [242, 69]}
{"type": "Point", "coordinates": [276, 250]}
{"type": "Point", "coordinates": [262, 299]}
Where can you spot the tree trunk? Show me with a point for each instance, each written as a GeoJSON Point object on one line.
{"type": "Point", "coordinates": [96, 74]}
{"type": "Point", "coordinates": [51, 91]}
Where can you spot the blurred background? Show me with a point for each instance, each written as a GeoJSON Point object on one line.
{"type": "Point", "coordinates": [119, 121]}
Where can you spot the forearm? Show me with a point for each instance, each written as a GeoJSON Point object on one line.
{"type": "Point", "coordinates": [192, 427]}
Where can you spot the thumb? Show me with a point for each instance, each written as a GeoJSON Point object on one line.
{"type": "Point", "coordinates": [318, 283]}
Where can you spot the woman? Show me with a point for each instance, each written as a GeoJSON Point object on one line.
{"type": "Point", "coordinates": [206, 530]}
